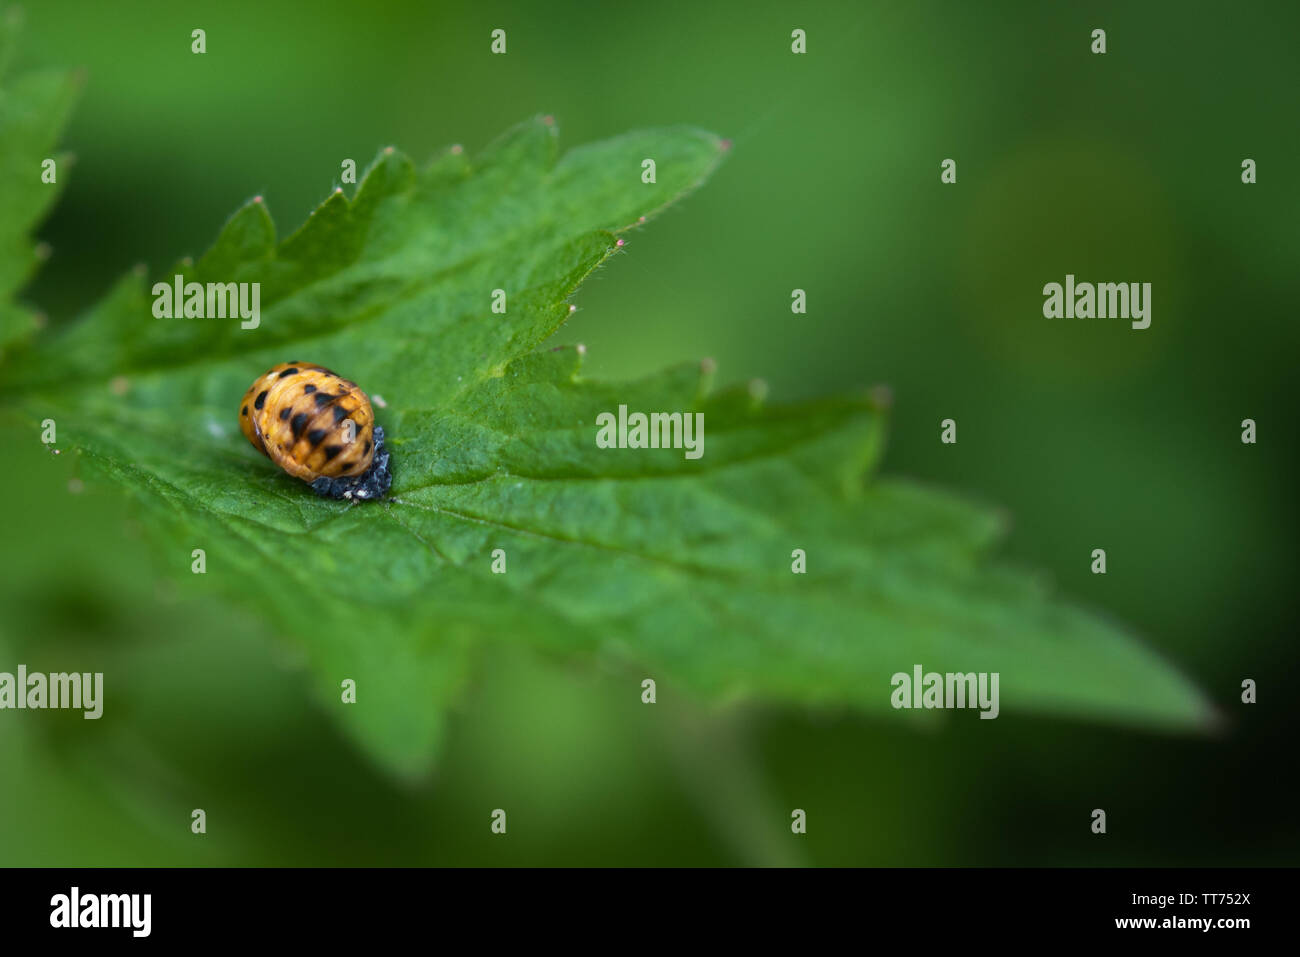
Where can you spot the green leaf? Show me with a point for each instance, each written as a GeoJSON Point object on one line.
{"type": "Point", "coordinates": [33, 110]}
{"type": "Point", "coordinates": [680, 567]}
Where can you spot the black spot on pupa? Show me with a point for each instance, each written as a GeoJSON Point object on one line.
{"type": "Point", "coordinates": [346, 468]}
{"type": "Point", "coordinates": [331, 451]}
{"type": "Point", "coordinates": [367, 449]}
{"type": "Point", "coordinates": [244, 411]}
{"type": "Point", "coordinates": [298, 424]}
{"type": "Point", "coordinates": [308, 389]}
{"type": "Point", "coordinates": [288, 372]}
{"type": "Point", "coordinates": [261, 399]}
{"type": "Point", "coordinates": [316, 436]}
{"type": "Point", "coordinates": [340, 414]}
{"type": "Point", "coordinates": [284, 413]}
{"type": "Point", "coordinates": [323, 398]}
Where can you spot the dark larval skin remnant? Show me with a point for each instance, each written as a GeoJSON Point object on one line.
{"type": "Point", "coordinates": [374, 482]}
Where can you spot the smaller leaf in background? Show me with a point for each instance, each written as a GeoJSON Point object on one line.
{"type": "Point", "coordinates": [33, 110]}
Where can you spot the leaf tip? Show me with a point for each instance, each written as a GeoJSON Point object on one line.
{"type": "Point", "coordinates": [880, 397]}
{"type": "Point", "coordinates": [1213, 720]}
{"type": "Point", "coordinates": [707, 369]}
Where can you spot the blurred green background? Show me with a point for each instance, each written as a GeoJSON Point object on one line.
{"type": "Point", "coordinates": [1117, 167]}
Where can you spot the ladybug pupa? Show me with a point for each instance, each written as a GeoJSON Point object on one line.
{"type": "Point", "coordinates": [318, 427]}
